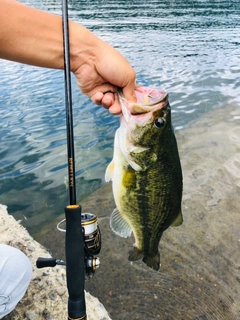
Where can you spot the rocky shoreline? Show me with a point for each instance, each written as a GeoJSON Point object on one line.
{"type": "Point", "coordinates": [47, 295]}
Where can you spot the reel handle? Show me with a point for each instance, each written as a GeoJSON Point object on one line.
{"type": "Point", "coordinates": [45, 262]}
{"type": "Point", "coordinates": [48, 262]}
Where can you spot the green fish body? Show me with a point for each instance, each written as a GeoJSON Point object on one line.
{"type": "Point", "coordinates": [146, 174]}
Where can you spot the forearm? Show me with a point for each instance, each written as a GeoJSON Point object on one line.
{"type": "Point", "coordinates": [32, 36]}
{"type": "Point", "coordinates": [35, 37]}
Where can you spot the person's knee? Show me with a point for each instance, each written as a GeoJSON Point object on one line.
{"type": "Point", "coordinates": [15, 276]}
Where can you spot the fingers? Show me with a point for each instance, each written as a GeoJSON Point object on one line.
{"type": "Point", "coordinates": [104, 99]}
{"type": "Point", "coordinates": [129, 95]}
{"type": "Point", "coordinates": [108, 100]}
{"type": "Point", "coordinates": [97, 98]}
{"type": "Point", "coordinates": [129, 89]}
{"type": "Point", "coordinates": [114, 107]}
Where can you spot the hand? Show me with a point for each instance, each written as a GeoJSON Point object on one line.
{"type": "Point", "coordinates": [102, 73]}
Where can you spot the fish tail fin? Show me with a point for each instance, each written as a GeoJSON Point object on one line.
{"type": "Point", "coordinates": [152, 260]}
{"type": "Point", "coordinates": [135, 254]}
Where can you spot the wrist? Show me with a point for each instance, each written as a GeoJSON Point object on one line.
{"type": "Point", "coordinates": [83, 46]}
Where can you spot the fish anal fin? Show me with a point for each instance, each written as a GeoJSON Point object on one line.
{"type": "Point", "coordinates": [119, 225]}
{"type": "Point", "coordinates": [152, 260]}
{"type": "Point", "coordinates": [178, 221]}
{"type": "Point", "coordinates": [109, 171]}
{"type": "Point", "coordinates": [135, 254]}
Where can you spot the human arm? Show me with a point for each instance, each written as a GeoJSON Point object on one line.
{"type": "Point", "coordinates": [32, 36]}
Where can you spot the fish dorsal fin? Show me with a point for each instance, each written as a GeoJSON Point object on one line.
{"type": "Point", "coordinates": [109, 172]}
{"type": "Point", "coordinates": [178, 221]}
{"type": "Point", "coordinates": [119, 225]}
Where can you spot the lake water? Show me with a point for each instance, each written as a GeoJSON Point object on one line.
{"type": "Point", "coordinates": [191, 49]}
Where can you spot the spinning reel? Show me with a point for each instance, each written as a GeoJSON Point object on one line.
{"type": "Point", "coordinates": [92, 245]}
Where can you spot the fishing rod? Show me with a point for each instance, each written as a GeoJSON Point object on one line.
{"type": "Point", "coordinates": [83, 237]}
{"type": "Point", "coordinates": [74, 248]}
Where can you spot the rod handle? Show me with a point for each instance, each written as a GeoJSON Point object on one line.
{"type": "Point", "coordinates": [75, 263]}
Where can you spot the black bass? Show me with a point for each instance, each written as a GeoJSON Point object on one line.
{"type": "Point", "coordinates": [146, 174]}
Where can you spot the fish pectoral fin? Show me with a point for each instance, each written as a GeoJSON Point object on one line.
{"type": "Point", "coordinates": [109, 172]}
{"type": "Point", "coordinates": [119, 225]}
{"type": "Point", "coordinates": [178, 221]}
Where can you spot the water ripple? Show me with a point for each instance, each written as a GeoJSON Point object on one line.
{"type": "Point", "coordinates": [189, 49]}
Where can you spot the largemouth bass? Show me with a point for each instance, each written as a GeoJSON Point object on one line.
{"type": "Point", "coordinates": [146, 174]}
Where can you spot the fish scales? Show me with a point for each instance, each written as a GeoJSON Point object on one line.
{"type": "Point", "coordinates": [157, 208]}
{"type": "Point", "coordinates": [147, 177]}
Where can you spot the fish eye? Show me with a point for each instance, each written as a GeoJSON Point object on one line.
{"type": "Point", "coordinates": [159, 123]}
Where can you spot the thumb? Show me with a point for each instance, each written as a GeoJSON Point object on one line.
{"type": "Point", "coordinates": [129, 91]}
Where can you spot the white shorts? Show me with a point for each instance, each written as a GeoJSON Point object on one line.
{"type": "Point", "coordinates": [15, 276]}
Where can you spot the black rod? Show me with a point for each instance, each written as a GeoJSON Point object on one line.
{"type": "Point", "coordinates": [68, 102]}
{"type": "Point", "coordinates": [74, 247]}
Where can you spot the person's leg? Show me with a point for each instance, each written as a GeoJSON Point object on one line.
{"type": "Point", "coordinates": [15, 276]}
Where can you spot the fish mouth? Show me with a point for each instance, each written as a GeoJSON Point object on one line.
{"type": "Point", "coordinates": [148, 101]}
